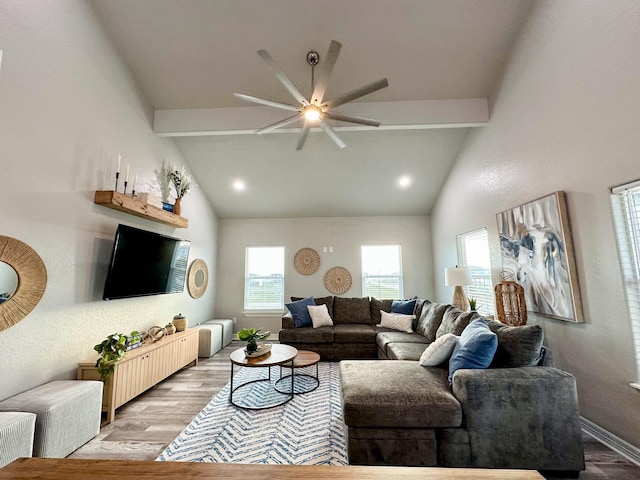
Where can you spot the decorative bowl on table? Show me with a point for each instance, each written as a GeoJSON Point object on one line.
{"type": "Point", "coordinates": [263, 349]}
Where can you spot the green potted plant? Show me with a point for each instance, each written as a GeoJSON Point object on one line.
{"type": "Point", "coordinates": [473, 303]}
{"type": "Point", "coordinates": [252, 337]}
{"type": "Point", "coordinates": [112, 349]}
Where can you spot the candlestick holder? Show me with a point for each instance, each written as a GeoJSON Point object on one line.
{"type": "Point", "coordinates": [117, 176]}
{"type": "Point", "coordinates": [125, 187]}
{"type": "Point", "coordinates": [133, 193]}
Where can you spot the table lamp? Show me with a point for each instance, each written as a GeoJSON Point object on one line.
{"type": "Point", "coordinates": [456, 277]}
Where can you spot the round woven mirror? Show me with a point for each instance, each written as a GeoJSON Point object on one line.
{"type": "Point", "coordinates": [198, 278]}
{"type": "Point", "coordinates": [31, 280]}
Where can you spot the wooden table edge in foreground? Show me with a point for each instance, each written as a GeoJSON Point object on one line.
{"type": "Point", "coordinates": [76, 469]}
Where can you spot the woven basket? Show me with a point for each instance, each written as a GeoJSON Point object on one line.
{"type": "Point", "coordinates": [180, 323]}
{"type": "Point", "coordinates": [510, 302]}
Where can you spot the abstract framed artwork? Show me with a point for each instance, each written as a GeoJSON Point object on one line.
{"type": "Point", "coordinates": [535, 244]}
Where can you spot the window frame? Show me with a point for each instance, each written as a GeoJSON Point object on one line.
{"type": "Point", "coordinates": [364, 275]}
{"type": "Point", "coordinates": [482, 288]}
{"type": "Point", "coordinates": [626, 225]}
{"type": "Point", "coordinates": [250, 308]}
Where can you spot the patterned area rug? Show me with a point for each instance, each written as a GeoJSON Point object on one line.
{"type": "Point", "coordinates": [306, 430]}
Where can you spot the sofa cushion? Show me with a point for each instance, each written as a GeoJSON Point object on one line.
{"type": "Point", "coordinates": [430, 319]}
{"type": "Point", "coordinates": [351, 310]}
{"type": "Point", "coordinates": [455, 321]}
{"type": "Point", "coordinates": [406, 307]}
{"type": "Point", "coordinates": [306, 335]}
{"type": "Point", "coordinates": [384, 338]}
{"type": "Point", "coordinates": [405, 351]}
{"type": "Point", "coordinates": [420, 303]}
{"type": "Point", "coordinates": [299, 312]}
{"type": "Point", "coordinates": [354, 333]}
{"type": "Point", "coordinates": [439, 351]}
{"type": "Point", "coordinates": [475, 349]}
{"type": "Point", "coordinates": [377, 305]}
{"type": "Point", "coordinates": [396, 394]}
{"type": "Point", "coordinates": [396, 321]}
{"type": "Point", "coordinates": [328, 301]}
{"type": "Point", "coordinates": [517, 346]}
{"type": "Point", "coordinates": [319, 316]}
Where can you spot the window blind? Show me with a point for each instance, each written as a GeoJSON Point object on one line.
{"type": "Point", "coordinates": [625, 202]}
{"type": "Point", "coordinates": [264, 278]}
{"type": "Point", "coordinates": [382, 271]}
{"type": "Point", "coordinates": [473, 252]}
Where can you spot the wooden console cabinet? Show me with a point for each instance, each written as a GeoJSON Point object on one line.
{"type": "Point", "coordinates": [142, 368]}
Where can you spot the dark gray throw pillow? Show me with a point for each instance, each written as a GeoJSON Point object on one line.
{"type": "Point", "coordinates": [328, 301]}
{"type": "Point", "coordinates": [517, 346]}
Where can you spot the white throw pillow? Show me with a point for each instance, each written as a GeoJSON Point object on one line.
{"type": "Point", "coordinates": [397, 321]}
{"type": "Point", "coordinates": [319, 316]}
{"type": "Point", "coordinates": [439, 351]}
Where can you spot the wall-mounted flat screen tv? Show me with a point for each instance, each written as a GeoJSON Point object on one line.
{"type": "Point", "coordinates": [145, 263]}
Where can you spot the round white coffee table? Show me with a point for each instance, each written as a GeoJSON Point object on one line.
{"type": "Point", "coordinates": [266, 396]}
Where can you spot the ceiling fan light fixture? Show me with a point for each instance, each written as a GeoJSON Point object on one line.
{"type": "Point", "coordinates": [312, 113]}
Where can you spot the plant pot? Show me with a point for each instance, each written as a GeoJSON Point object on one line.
{"type": "Point", "coordinates": [251, 348]}
{"type": "Point", "coordinates": [177, 206]}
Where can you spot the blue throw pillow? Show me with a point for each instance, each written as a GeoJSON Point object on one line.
{"type": "Point", "coordinates": [405, 307]}
{"type": "Point", "coordinates": [300, 313]}
{"type": "Point", "coordinates": [475, 349]}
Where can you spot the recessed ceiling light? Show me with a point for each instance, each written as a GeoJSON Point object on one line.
{"type": "Point", "coordinates": [404, 181]}
{"type": "Point", "coordinates": [239, 186]}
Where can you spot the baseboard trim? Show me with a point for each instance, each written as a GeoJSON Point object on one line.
{"type": "Point", "coordinates": [618, 445]}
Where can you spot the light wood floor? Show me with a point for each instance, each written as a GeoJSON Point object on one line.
{"type": "Point", "coordinates": [145, 426]}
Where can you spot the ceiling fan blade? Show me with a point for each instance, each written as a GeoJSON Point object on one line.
{"type": "Point", "coordinates": [263, 101]}
{"type": "Point", "coordinates": [331, 133]}
{"type": "Point", "coordinates": [325, 72]}
{"type": "Point", "coordinates": [288, 84]}
{"type": "Point", "coordinates": [279, 124]}
{"type": "Point", "coordinates": [345, 117]}
{"type": "Point", "coordinates": [303, 135]}
{"type": "Point", "coordinates": [357, 93]}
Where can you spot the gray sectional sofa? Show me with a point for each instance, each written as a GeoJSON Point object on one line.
{"type": "Point", "coordinates": [521, 412]}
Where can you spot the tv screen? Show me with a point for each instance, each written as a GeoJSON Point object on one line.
{"type": "Point", "coordinates": [145, 263]}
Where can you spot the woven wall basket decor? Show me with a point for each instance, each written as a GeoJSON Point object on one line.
{"type": "Point", "coordinates": [337, 280]}
{"type": "Point", "coordinates": [510, 302]}
{"type": "Point", "coordinates": [306, 261]}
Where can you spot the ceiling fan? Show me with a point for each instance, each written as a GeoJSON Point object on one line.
{"type": "Point", "coordinates": [315, 110]}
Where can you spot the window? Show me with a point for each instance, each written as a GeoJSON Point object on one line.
{"type": "Point", "coordinates": [382, 271]}
{"type": "Point", "coordinates": [625, 202]}
{"type": "Point", "coordinates": [473, 252]}
{"type": "Point", "coordinates": [264, 278]}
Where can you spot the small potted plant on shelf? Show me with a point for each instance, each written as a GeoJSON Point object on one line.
{"type": "Point", "coordinates": [252, 337]}
{"type": "Point", "coordinates": [181, 181]}
{"type": "Point", "coordinates": [112, 349]}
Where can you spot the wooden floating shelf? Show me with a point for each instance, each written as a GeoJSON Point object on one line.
{"type": "Point", "coordinates": [126, 204]}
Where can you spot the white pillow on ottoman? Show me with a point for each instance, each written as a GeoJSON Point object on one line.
{"type": "Point", "coordinates": [439, 351]}
{"type": "Point", "coordinates": [397, 321]}
{"type": "Point", "coordinates": [319, 316]}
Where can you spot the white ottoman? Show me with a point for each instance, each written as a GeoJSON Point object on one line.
{"type": "Point", "coordinates": [16, 436]}
{"type": "Point", "coordinates": [210, 339]}
{"type": "Point", "coordinates": [227, 329]}
{"type": "Point", "coordinates": [68, 414]}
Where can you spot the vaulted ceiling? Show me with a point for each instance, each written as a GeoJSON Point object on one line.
{"type": "Point", "coordinates": [442, 58]}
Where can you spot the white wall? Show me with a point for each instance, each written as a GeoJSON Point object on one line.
{"type": "Point", "coordinates": [68, 106]}
{"type": "Point", "coordinates": [566, 117]}
{"type": "Point", "coordinates": [345, 235]}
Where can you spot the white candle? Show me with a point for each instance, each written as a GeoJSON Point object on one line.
{"type": "Point", "coordinates": [135, 180]}
{"type": "Point", "coordinates": [126, 177]}
{"type": "Point", "coordinates": [119, 160]}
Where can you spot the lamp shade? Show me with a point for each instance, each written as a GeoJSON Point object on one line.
{"type": "Point", "coordinates": [454, 276]}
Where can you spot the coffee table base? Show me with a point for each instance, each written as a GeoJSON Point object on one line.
{"type": "Point", "coordinates": [268, 397]}
{"type": "Point", "coordinates": [304, 383]}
